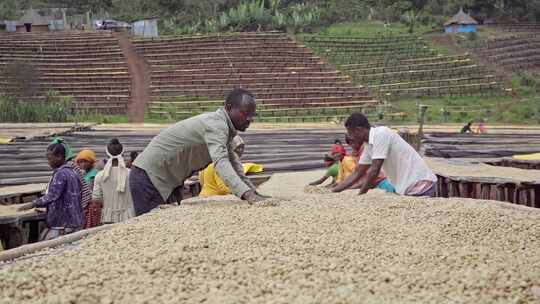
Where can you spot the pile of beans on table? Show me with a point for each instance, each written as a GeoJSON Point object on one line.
{"type": "Point", "coordinates": [309, 248]}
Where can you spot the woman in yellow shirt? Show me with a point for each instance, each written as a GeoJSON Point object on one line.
{"type": "Point", "coordinates": [347, 164]}
{"type": "Point", "coordinates": [212, 184]}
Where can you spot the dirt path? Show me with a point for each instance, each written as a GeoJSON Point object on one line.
{"type": "Point", "coordinates": [140, 79]}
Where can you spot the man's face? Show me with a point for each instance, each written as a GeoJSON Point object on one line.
{"type": "Point", "coordinates": [54, 160]}
{"type": "Point", "coordinates": [244, 115]}
{"type": "Point", "coordinates": [358, 136]}
{"type": "Point", "coordinates": [354, 144]}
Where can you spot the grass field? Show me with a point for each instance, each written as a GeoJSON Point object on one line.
{"type": "Point", "coordinates": [370, 28]}
{"type": "Point", "coordinates": [523, 106]}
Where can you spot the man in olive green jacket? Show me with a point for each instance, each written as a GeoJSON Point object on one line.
{"type": "Point", "coordinates": [189, 146]}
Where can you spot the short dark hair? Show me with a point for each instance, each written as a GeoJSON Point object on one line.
{"type": "Point", "coordinates": [133, 155]}
{"type": "Point", "coordinates": [57, 150]}
{"type": "Point", "coordinates": [337, 141]}
{"type": "Point", "coordinates": [236, 97]}
{"type": "Point", "coordinates": [115, 147]}
{"type": "Point", "coordinates": [357, 120]}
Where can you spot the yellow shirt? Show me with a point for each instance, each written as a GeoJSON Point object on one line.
{"type": "Point", "coordinates": [346, 168]}
{"type": "Point", "coordinates": [534, 156]}
{"type": "Point", "coordinates": [212, 185]}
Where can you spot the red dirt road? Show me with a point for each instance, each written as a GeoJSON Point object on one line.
{"type": "Point", "coordinates": [140, 80]}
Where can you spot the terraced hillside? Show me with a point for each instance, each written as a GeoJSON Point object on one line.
{"type": "Point", "coordinates": [397, 66]}
{"type": "Point", "coordinates": [516, 52]}
{"type": "Point", "coordinates": [521, 27]}
{"type": "Point", "coordinates": [90, 67]}
{"type": "Point", "coordinates": [191, 75]}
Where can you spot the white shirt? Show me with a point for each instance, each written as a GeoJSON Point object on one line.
{"type": "Point", "coordinates": [117, 206]}
{"type": "Point", "coordinates": [402, 165]}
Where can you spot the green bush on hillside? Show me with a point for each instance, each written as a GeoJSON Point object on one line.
{"type": "Point", "coordinates": [258, 15]}
{"type": "Point", "coordinates": [53, 108]}
{"type": "Point", "coordinates": [472, 36]}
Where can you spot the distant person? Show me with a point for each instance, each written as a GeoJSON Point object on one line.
{"type": "Point", "coordinates": [346, 163]}
{"type": "Point", "coordinates": [380, 182]}
{"type": "Point", "coordinates": [86, 159]}
{"type": "Point", "coordinates": [86, 191]}
{"type": "Point", "coordinates": [481, 129]}
{"type": "Point", "coordinates": [467, 128]}
{"type": "Point", "coordinates": [212, 184]}
{"type": "Point", "coordinates": [63, 198]}
{"type": "Point", "coordinates": [111, 188]}
{"type": "Point", "coordinates": [191, 145]}
{"type": "Point", "coordinates": [132, 156]}
{"type": "Point", "coordinates": [100, 164]}
{"type": "Point", "coordinates": [385, 149]}
{"type": "Point", "coordinates": [332, 172]}
{"type": "Point", "coordinates": [336, 145]}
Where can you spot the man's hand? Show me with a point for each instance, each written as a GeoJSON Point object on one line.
{"type": "Point", "coordinates": [252, 197]}
{"type": "Point", "coordinates": [26, 206]}
{"type": "Point", "coordinates": [371, 175]}
{"type": "Point", "coordinates": [262, 195]}
{"type": "Point", "coordinates": [337, 188]}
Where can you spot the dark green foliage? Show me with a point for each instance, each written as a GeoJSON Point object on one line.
{"type": "Point", "coordinates": [10, 9]}
{"type": "Point", "coordinates": [53, 108]}
{"type": "Point", "coordinates": [472, 36]}
{"type": "Point", "coordinates": [186, 16]}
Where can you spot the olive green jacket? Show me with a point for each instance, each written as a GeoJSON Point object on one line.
{"type": "Point", "coordinates": [189, 146]}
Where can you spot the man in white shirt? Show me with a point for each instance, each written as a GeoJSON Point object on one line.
{"type": "Point", "coordinates": [385, 149]}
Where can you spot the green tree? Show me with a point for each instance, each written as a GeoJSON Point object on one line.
{"type": "Point", "coordinates": [411, 16]}
{"type": "Point", "coordinates": [10, 10]}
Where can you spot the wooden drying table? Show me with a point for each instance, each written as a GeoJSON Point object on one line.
{"type": "Point", "coordinates": [17, 228]}
{"type": "Point", "coordinates": [516, 163]}
{"type": "Point", "coordinates": [20, 194]}
{"type": "Point", "coordinates": [481, 181]}
{"type": "Point", "coordinates": [13, 222]}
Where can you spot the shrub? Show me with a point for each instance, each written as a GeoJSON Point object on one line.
{"type": "Point", "coordinates": [472, 36]}
{"type": "Point", "coordinates": [53, 108]}
{"type": "Point", "coordinates": [527, 80]}
{"type": "Point", "coordinates": [258, 15]}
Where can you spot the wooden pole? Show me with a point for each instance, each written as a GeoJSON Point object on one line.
{"type": "Point", "coordinates": [30, 248]}
{"type": "Point", "coordinates": [88, 21]}
{"type": "Point", "coordinates": [422, 119]}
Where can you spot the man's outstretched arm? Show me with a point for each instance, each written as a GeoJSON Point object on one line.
{"type": "Point", "coordinates": [351, 179]}
{"type": "Point", "coordinates": [372, 174]}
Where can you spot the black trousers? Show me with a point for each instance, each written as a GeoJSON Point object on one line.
{"type": "Point", "coordinates": [144, 194]}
